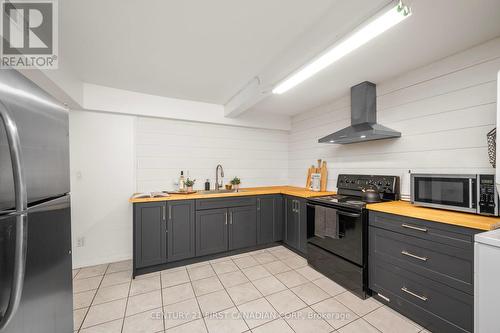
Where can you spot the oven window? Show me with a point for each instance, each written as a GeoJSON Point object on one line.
{"type": "Point", "coordinates": [443, 191]}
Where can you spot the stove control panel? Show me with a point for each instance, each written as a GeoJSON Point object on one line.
{"type": "Point", "coordinates": [383, 184]}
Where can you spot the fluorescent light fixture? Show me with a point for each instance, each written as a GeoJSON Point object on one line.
{"type": "Point", "coordinates": [368, 31]}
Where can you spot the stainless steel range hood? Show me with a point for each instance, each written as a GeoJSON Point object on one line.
{"type": "Point", "coordinates": [364, 125]}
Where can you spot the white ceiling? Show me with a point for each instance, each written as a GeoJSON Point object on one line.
{"type": "Point", "coordinates": [208, 50]}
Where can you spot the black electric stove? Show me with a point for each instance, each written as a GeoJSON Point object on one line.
{"type": "Point", "coordinates": [342, 253]}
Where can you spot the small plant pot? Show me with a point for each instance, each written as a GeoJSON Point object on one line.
{"type": "Point", "coordinates": [190, 189]}
{"type": "Point", "coordinates": [236, 187]}
{"type": "Point", "coordinates": [229, 187]}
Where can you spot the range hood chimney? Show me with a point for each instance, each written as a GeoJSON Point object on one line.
{"type": "Point", "coordinates": [364, 125]}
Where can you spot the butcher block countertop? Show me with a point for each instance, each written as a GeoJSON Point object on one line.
{"type": "Point", "coordinates": [288, 190]}
{"type": "Point", "coordinates": [467, 220]}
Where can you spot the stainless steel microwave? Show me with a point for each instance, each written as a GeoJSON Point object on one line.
{"type": "Point", "coordinates": [465, 193]}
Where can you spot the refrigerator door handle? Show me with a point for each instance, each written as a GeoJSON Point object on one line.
{"type": "Point", "coordinates": [21, 217]}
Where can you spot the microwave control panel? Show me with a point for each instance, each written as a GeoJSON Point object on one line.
{"type": "Point", "coordinates": [488, 197]}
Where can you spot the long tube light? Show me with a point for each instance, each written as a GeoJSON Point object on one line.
{"type": "Point", "coordinates": [376, 26]}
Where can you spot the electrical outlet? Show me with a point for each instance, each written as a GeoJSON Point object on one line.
{"type": "Point", "coordinates": [80, 242]}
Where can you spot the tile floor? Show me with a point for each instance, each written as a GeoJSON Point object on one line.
{"type": "Point", "coordinates": [271, 290]}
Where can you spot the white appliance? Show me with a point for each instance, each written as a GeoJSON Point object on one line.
{"type": "Point", "coordinates": [486, 282]}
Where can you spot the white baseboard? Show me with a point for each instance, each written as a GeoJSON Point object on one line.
{"type": "Point", "coordinates": [100, 260]}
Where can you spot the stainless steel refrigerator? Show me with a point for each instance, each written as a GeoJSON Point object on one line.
{"type": "Point", "coordinates": [35, 222]}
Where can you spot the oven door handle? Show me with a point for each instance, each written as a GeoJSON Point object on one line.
{"type": "Point", "coordinates": [348, 214]}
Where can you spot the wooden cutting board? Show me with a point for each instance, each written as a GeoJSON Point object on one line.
{"type": "Point", "coordinates": [324, 176]}
{"type": "Point", "coordinates": [310, 171]}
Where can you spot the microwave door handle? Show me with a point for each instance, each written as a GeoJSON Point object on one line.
{"type": "Point", "coordinates": [21, 200]}
{"type": "Point", "coordinates": [348, 214]}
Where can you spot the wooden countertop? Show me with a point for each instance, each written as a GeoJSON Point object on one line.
{"type": "Point", "coordinates": [467, 220]}
{"type": "Point", "coordinates": [288, 190]}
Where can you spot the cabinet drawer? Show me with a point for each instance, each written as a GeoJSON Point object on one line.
{"type": "Point", "coordinates": [225, 202]}
{"type": "Point", "coordinates": [453, 266]}
{"type": "Point", "coordinates": [432, 231]}
{"type": "Point", "coordinates": [454, 308]}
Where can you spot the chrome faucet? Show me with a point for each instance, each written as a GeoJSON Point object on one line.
{"type": "Point", "coordinates": [217, 184]}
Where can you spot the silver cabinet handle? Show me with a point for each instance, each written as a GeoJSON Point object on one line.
{"type": "Point", "coordinates": [407, 226]}
{"type": "Point", "coordinates": [385, 298]}
{"type": "Point", "coordinates": [404, 289]}
{"type": "Point", "coordinates": [406, 253]}
{"type": "Point", "coordinates": [258, 203]}
{"type": "Point", "coordinates": [169, 212]}
{"type": "Point", "coordinates": [230, 217]}
{"type": "Point", "coordinates": [21, 201]}
{"type": "Point", "coordinates": [163, 213]}
{"type": "Point", "coordinates": [226, 217]}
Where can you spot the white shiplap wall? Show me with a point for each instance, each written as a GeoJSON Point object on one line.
{"type": "Point", "coordinates": [165, 147]}
{"type": "Point", "coordinates": [443, 111]}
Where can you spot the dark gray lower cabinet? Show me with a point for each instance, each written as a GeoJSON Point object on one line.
{"type": "Point", "coordinates": [296, 223]}
{"type": "Point", "coordinates": [242, 227]}
{"type": "Point", "coordinates": [211, 231]}
{"type": "Point", "coordinates": [150, 234]}
{"type": "Point", "coordinates": [269, 219]}
{"type": "Point", "coordinates": [181, 226]}
{"type": "Point", "coordinates": [424, 270]}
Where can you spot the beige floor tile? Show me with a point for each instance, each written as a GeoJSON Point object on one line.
{"type": "Point", "coordinates": [233, 279]}
{"type": "Point", "coordinates": [356, 304]}
{"type": "Point", "coordinates": [75, 271]}
{"type": "Point", "coordinates": [116, 278]}
{"type": "Point", "coordinates": [295, 262]}
{"type": "Point", "coordinates": [358, 326]}
{"type": "Point", "coordinates": [264, 257]}
{"type": "Point", "coordinates": [145, 285]}
{"type": "Point", "coordinates": [256, 272]}
{"type": "Point", "coordinates": [284, 254]}
{"type": "Point", "coordinates": [120, 266]}
{"type": "Point", "coordinates": [389, 321]}
{"type": "Point", "coordinates": [112, 293]}
{"type": "Point", "coordinates": [105, 312]}
{"type": "Point", "coordinates": [147, 276]}
{"type": "Point", "coordinates": [244, 262]}
{"type": "Point", "coordinates": [330, 287]}
{"type": "Point", "coordinates": [269, 285]}
{"type": "Point", "coordinates": [276, 267]}
{"type": "Point", "coordinates": [215, 261]}
{"type": "Point", "coordinates": [143, 302]}
{"type": "Point", "coordinates": [109, 327]}
{"type": "Point", "coordinates": [276, 326]}
{"type": "Point", "coordinates": [180, 313]}
{"type": "Point", "coordinates": [205, 286]}
{"type": "Point", "coordinates": [286, 302]}
{"type": "Point", "coordinates": [145, 322]}
{"type": "Point", "coordinates": [306, 320]}
{"type": "Point", "coordinates": [334, 312]}
{"type": "Point", "coordinates": [243, 293]}
{"type": "Point", "coordinates": [225, 267]}
{"type": "Point", "coordinates": [83, 299]}
{"type": "Point", "coordinates": [309, 273]}
{"type": "Point", "coordinates": [91, 271]}
{"type": "Point", "coordinates": [274, 248]}
{"type": "Point", "coordinates": [78, 316]}
{"type": "Point", "coordinates": [172, 278]}
{"type": "Point", "coordinates": [200, 272]}
{"type": "Point", "coordinates": [177, 293]}
{"type": "Point", "coordinates": [86, 284]}
{"type": "Point", "coordinates": [227, 321]}
{"type": "Point", "coordinates": [291, 279]}
{"type": "Point", "coordinates": [310, 293]}
{"type": "Point", "coordinates": [214, 302]}
{"type": "Point", "coordinates": [197, 264]}
{"type": "Point", "coordinates": [196, 326]}
{"type": "Point", "coordinates": [240, 255]}
{"type": "Point", "coordinates": [258, 312]}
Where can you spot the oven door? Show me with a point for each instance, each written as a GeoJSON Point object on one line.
{"type": "Point", "coordinates": [455, 192]}
{"type": "Point", "coordinates": [349, 244]}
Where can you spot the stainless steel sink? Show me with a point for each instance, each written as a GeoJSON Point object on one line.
{"type": "Point", "coordinates": [216, 191]}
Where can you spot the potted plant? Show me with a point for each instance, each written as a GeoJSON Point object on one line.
{"type": "Point", "coordinates": [236, 183]}
{"type": "Point", "coordinates": [189, 184]}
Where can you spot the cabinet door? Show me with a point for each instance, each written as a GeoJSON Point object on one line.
{"type": "Point", "coordinates": [242, 227]}
{"type": "Point", "coordinates": [301, 216]}
{"type": "Point", "coordinates": [291, 223]}
{"type": "Point", "coordinates": [180, 230]}
{"type": "Point", "coordinates": [150, 237]}
{"type": "Point", "coordinates": [269, 219]}
{"type": "Point", "coordinates": [211, 231]}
